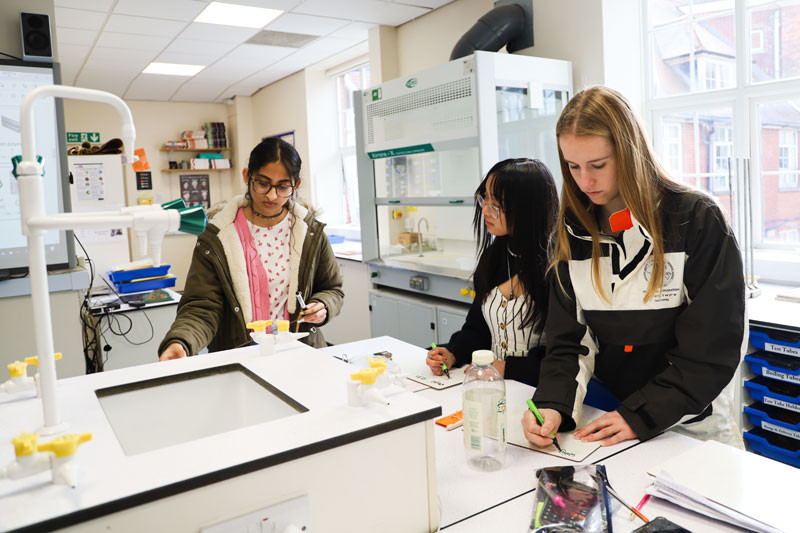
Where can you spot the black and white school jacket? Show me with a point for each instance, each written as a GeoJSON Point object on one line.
{"type": "Point", "coordinates": [666, 359]}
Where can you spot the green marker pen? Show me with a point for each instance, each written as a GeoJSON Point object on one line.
{"type": "Point", "coordinates": [540, 418]}
{"type": "Point", "coordinates": [444, 366]}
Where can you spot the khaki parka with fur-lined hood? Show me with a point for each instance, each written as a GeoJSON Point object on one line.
{"type": "Point", "coordinates": [215, 305]}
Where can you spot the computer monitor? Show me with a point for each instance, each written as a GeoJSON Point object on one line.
{"type": "Point", "coordinates": [18, 78]}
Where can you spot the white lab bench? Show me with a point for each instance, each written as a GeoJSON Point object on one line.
{"type": "Point", "coordinates": [361, 469]}
{"type": "Point", "coordinates": [476, 502]}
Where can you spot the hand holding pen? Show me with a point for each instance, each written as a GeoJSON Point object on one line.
{"type": "Point", "coordinates": [539, 426]}
{"type": "Point", "coordinates": [440, 360]}
{"type": "Point", "coordinates": [313, 313]}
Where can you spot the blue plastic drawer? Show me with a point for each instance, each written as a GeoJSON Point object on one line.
{"type": "Point", "coordinates": [774, 419]}
{"type": "Point", "coordinates": [776, 366]}
{"type": "Point", "coordinates": [775, 341]}
{"type": "Point", "coordinates": [336, 239]}
{"type": "Point", "coordinates": [774, 446]}
{"type": "Point", "coordinates": [120, 276]}
{"type": "Point", "coordinates": [773, 392]}
{"type": "Point", "coordinates": [146, 285]}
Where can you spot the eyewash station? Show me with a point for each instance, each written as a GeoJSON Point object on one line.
{"type": "Point", "coordinates": [277, 434]}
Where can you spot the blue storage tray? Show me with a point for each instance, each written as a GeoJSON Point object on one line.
{"type": "Point", "coordinates": [774, 392]}
{"type": "Point", "coordinates": [768, 417]}
{"type": "Point", "coordinates": [120, 276]}
{"type": "Point", "coordinates": [774, 446]}
{"type": "Point", "coordinates": [147, 285]}
{"type": "Point", "coordinates": [774, 366]}
{"type": "Point", "coordinates": [785, 343]}
{"type": "Point", "coordinates": [336, 239]}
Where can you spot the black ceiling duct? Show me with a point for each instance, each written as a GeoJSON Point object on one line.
{"type": "Point", "coordinates": [510, 25]}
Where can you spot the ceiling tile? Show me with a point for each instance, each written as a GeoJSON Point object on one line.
{"type": "Point", "coordinates": [194, 58]}
{"type": "Point", "coordinates": [79, 19]}
{"type": "Point", "coordinates": [355, 31]}
{"type": "Point", "coordinates": [100, 80]}
{"type": "Point", "coordinates": [154, 87]}
{"type": "Point", "coordinates": [233, 69]}
{"type": "Point", "coordinates": [73, 36]}
{"type": "Point", "coordinates": [293, 23]}
{"type": "Point", "coordinates": [363, 10]}
{"type": "Point", "coordinates": [71, 57]}
{"type": "Point", "coordinates": [173, 9]}
{"type": "Point", "coordinates": [109, 39]}
{"type": "Point", "coordinates": [192, 91]}
{"type": "Point", "coordinates": [283, 5]}
{"type": "Point", "coordinates": [89, 5]}
{"type": "Point", "coordinates": [120, 59]}
{"type": "Point", "coordinates": [264, 55]}
{"type": "Point", "coordinates": [217, 33]}
{"type": "Point", "coordinates": [144, 26]}
{"type": "Point", "coordinates": [193, 46]}
{"type": "Point", "coordinates": [433, 4]}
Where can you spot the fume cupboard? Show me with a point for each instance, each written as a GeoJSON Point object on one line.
{"type": "Point", "coordinates": [425, 142]}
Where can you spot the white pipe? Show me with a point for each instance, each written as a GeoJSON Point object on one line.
{"type": "Point", "coordinates": [80, 220]}
{"type": "Point", "coordinates": [76, 93]}
{"type": "Point", "coordinates": [31, 196]}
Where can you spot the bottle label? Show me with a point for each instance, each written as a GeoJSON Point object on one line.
{"type": "Point", "coordinates": [473, 425]}
{"type": "Point", "coordinates": [501, 419]}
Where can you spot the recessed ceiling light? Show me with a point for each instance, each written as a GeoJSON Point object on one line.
{"type": "Point", "coordinates": [173, 69]}
{"type": "Point", "coordinates": [237, 15]}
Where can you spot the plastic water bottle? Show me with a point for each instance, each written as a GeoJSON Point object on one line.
{"type": "Point", "coordinates": [484, 406]}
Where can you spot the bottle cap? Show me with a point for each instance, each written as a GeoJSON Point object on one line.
{"type": "Point", "coordinates": [283, 325]}
{"type": "Point", "coordinates": [482, 357]}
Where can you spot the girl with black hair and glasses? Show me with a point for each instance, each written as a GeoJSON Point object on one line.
{"type": "Point", "coordinates": [515, 209]}
{"type": "Point", "coordinates": [259, 250]}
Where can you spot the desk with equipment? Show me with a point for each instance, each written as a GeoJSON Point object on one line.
{"type": "Point", "coordinates": [472, 502]}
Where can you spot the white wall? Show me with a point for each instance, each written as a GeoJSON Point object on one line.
{"type": "Point", "coordinates": [155, 123]}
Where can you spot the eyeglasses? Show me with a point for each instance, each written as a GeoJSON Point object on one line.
{"type": "Point", "coordinates": [263, 187]}
{"type": "Point", "coordinates": [494, 211]}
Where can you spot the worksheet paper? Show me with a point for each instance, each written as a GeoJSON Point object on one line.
{"type": "Point", "coordinates": [732, 485]}
{"type": "Point", "coordinates": [571, 449]}
{"type": "Point", "coordinates": [426, 377]}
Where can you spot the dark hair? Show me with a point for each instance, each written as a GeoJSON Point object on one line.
{"type": "Point", "coordinates": [526, 193]}
{"type": "Point", "coordinates": [271, 150]}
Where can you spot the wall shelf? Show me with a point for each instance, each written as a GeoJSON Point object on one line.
{"type": "Point", "coordinates": [187, 170]}
{"type": "Point", "coordinates": [163, 149]}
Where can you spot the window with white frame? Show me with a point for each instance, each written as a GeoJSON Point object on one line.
{"type": "Point", "coordinates": [693, 61]}
{"type": "Point", "coordinates": [672, 147]}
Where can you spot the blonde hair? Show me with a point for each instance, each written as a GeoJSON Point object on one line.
{"type": "Point", "coordinates": [601, 111]}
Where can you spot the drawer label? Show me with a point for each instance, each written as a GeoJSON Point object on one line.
{"type": "Point", "coordinates": [781, 430]}
{"type": "Point", "coordinates": [779, 375]}
{"type": "Point", "coordinates": [780, 348]}
{"type": "Point", "coordinates": [781, 403]}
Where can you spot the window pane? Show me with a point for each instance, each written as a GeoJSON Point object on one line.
{"type": "Point", "coordinates": [778, 126]}
{"type": "Point", "coordinates": [697, 51]}
{"type": "Point", "coordinates": [696, 148]}
{"type": "Point", "coordinates": [779, 55]}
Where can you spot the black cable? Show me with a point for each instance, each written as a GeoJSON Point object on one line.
{"type": "Point", "coordinates": [12, 57]}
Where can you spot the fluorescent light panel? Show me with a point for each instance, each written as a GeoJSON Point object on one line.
{"type": "Point", "coordinates": [237, 15]}
{"type": "Point", "coordinates": [173, 69]}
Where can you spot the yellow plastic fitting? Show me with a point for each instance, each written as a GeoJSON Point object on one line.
{"type": "Point", "coordinates": [464, 291]}
{"type": "Point", "coordinates": [378, 364]}
{"type": "Point", "coordinates": [283, 325]}
{"type": "Point", "coordinates": [259, 326]}
{"type": "Point", "coordinates": [65, 445]}
{"type": "Point", "coordinates": [17, 369]}
{"type": "Point", "coordinates": [472, 293]}
{"type": "Point", "coordinates": [24, 443]}
{"type": "Point", "coordinates": [366, 376]}
{"type": "Point", "coordinates": [34, 360]}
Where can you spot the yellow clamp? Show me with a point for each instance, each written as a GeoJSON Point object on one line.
{"type": "Point", "coordinates": [366, 376]}
{"type": "Point", "coordinates": [283, 325]}
{"type": "Point", "coordinates": [259, 326]}
{"type": "Point", "coordinates": [472, 293]}
{"type": "Point", "coordinates": [34, 360]}
{"type": "Point", "coordinates": [464, 291]}
{"type": "Point", "coordinates": [17, 369]}
{"type": "Point", "coordinates": [65, 445]}
{"type": "Point", "coordinates": [24, 443]}
{"type": "Point", "coordinates": [378, 364]}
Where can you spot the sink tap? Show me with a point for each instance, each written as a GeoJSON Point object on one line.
{"type": "Point", "coordinates": [419, 232]}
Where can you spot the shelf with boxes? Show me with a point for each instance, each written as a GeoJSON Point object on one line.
{"type": "Point", "coordinates": [775, 391]}
{"type": "Point", "coordinates": [210, 145]}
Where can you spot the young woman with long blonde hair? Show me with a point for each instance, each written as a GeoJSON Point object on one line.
{"type": "Point", "coordinates": [647, 292]}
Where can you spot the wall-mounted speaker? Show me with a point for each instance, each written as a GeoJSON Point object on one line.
{"type": "Point", "coordinates": [36, 42]}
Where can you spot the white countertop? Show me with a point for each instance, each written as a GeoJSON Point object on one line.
{"type": "Point", "coordinates": [108, 475]}
{"type": "Point", "coordinates": [765, 310]}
